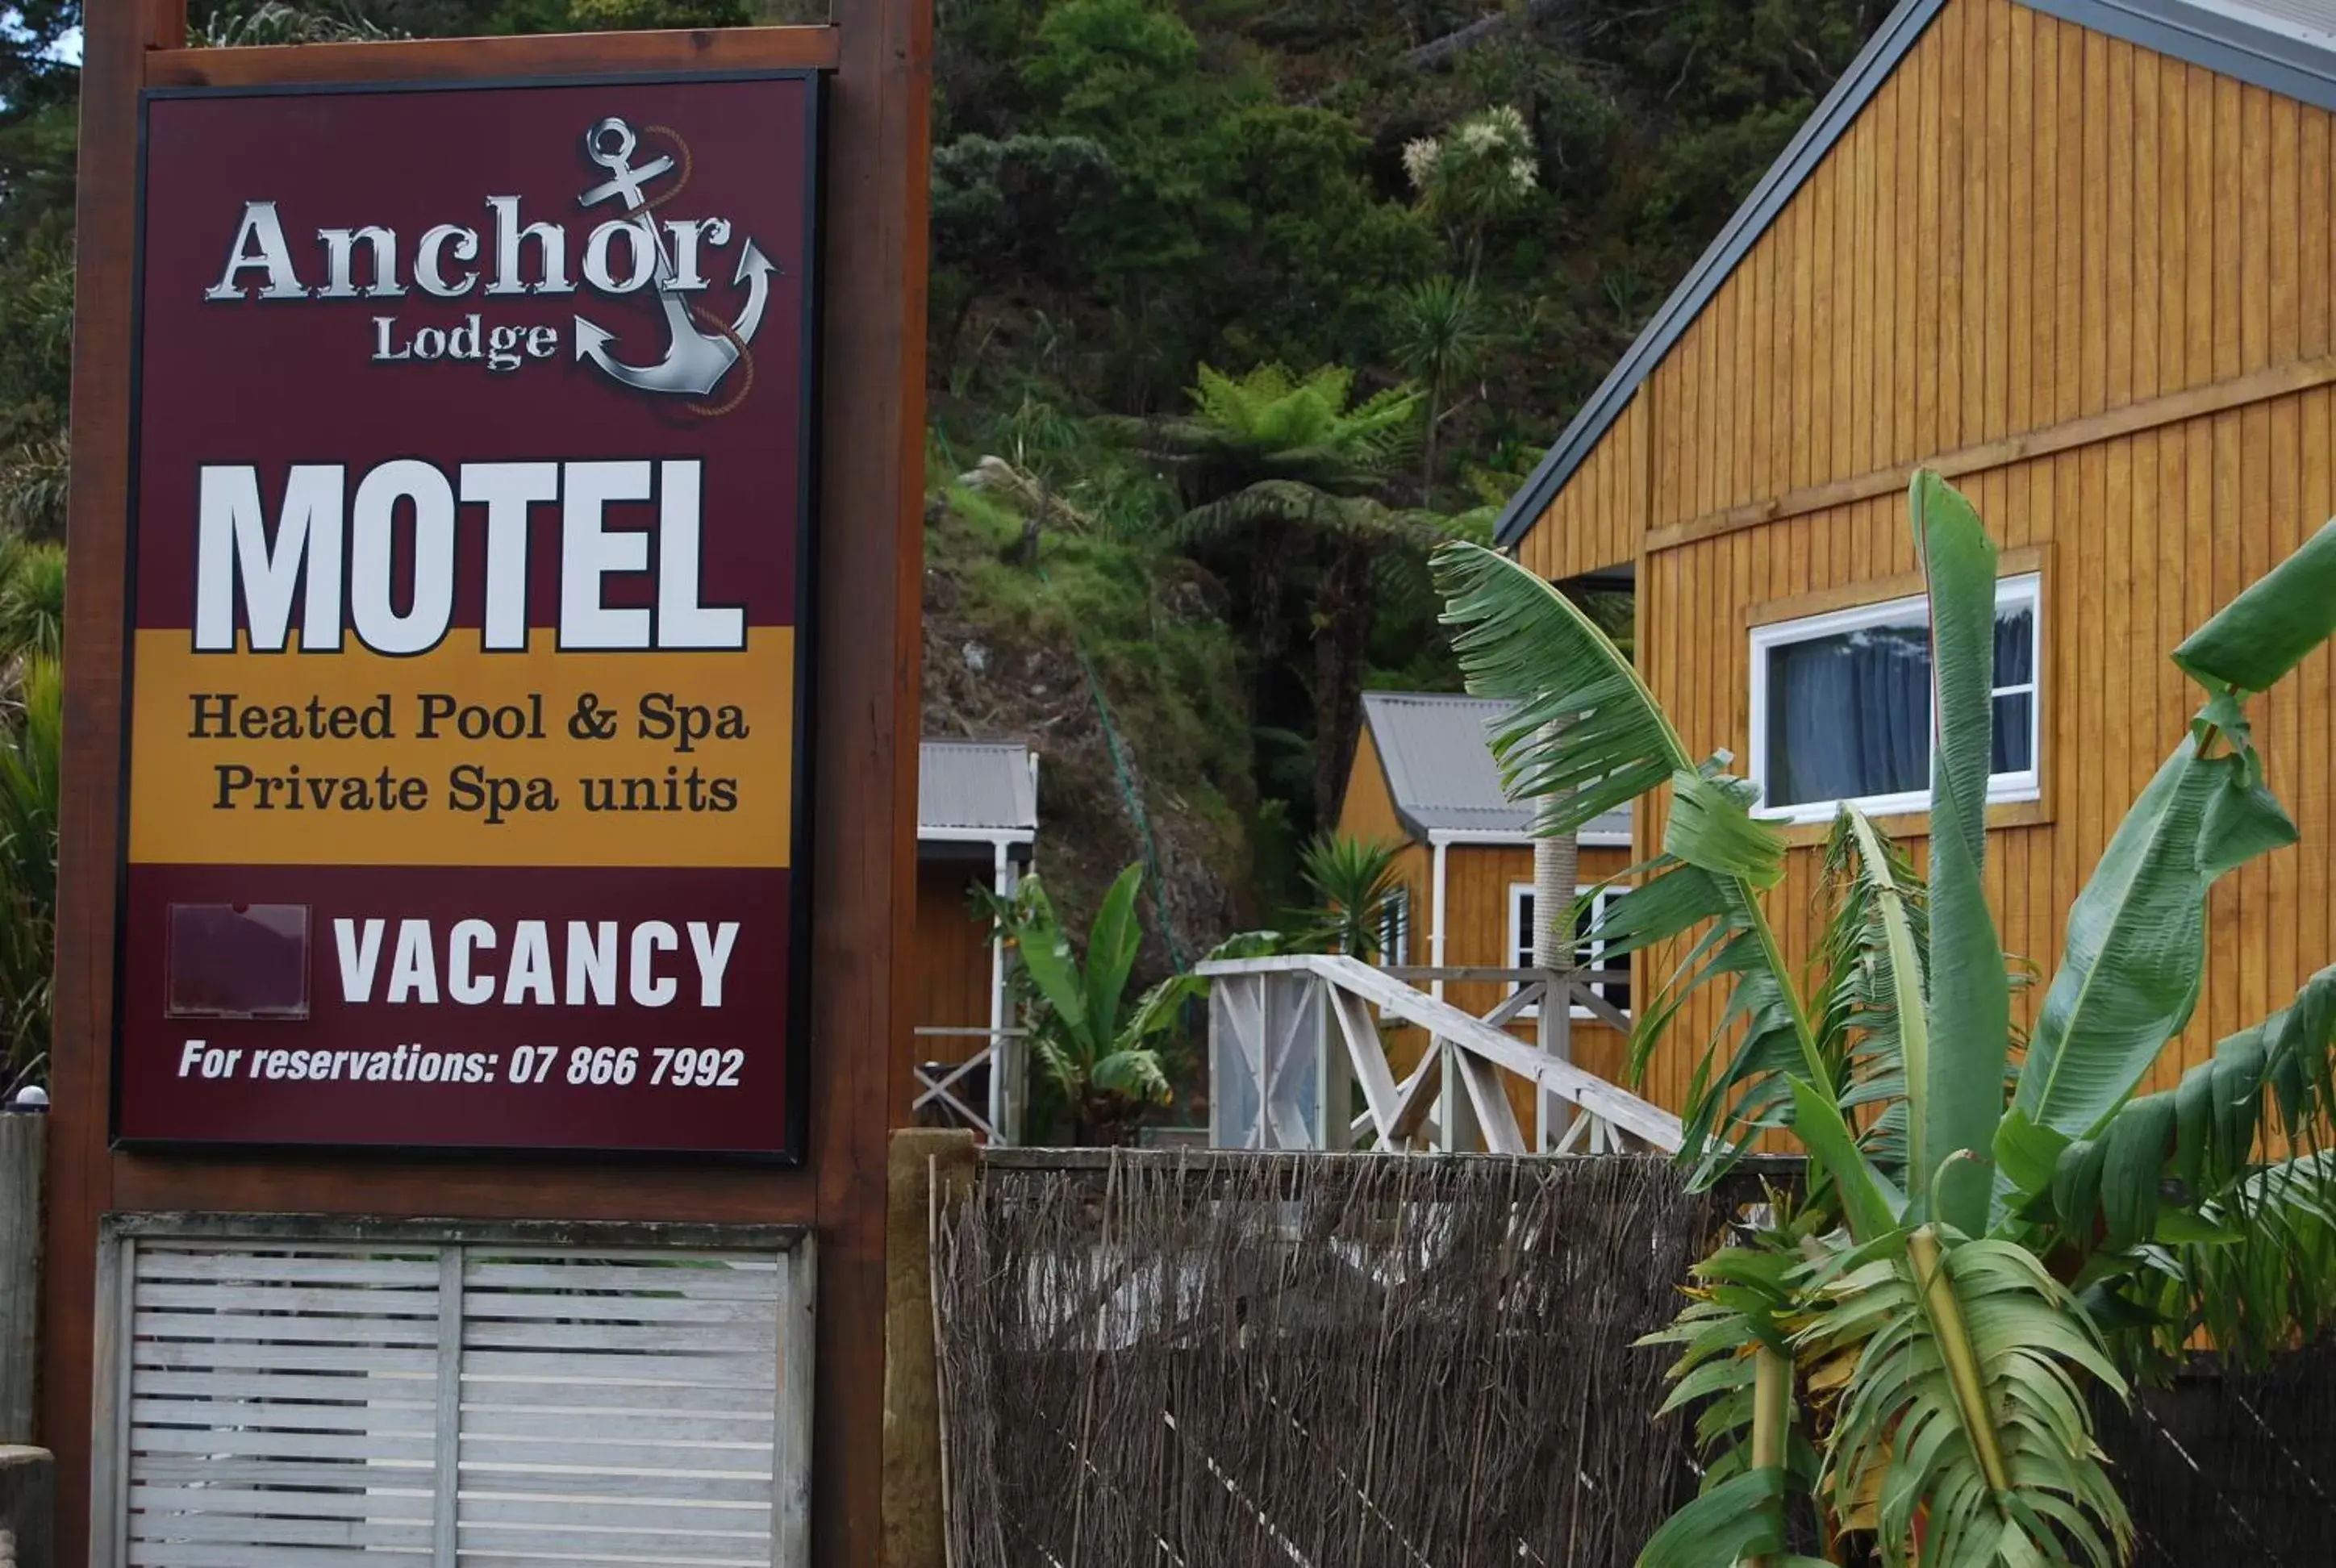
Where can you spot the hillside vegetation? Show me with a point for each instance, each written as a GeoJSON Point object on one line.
{"type": "Point", "coordinates": [1237, 306]}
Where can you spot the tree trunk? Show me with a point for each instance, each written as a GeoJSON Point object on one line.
{"type": "Point", "coordinates": [1341, 644]}
{"type": "Point", "coordinates": [1556, 875]}
{"type": "Point", "coordinates": [1427, 462]}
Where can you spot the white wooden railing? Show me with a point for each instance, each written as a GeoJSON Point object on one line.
{"type": "Point", "coordinates": [1292, 1038]}
{"type": "Point", "coordinates": [945, 1086]}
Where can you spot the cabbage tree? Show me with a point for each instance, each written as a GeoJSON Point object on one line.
{"type": "Point", "coordinates": [1993, 1226]}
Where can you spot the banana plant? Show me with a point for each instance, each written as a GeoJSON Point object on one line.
{"type": "Point", "coordinates": [1898, 1371]}
{"type": "Point", "coordinates": [1101, 1053]}
{"type": "Point", "coordinates": [1091, 1050]}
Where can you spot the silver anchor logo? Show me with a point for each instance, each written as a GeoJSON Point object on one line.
{"type": "Point", "coordinates": [695, 360]}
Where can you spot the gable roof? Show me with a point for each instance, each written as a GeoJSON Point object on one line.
{"type": "Point", "coordinates": [1436, 752]}
{"type": "Point", "coordinates": [2285, 47]}
{"type": "Point", "coordinates": [977, 789]}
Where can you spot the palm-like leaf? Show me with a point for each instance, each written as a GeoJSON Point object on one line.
{"type": "Point", "coordinates": [2187, 1229]}
{"type": "Point", "coordinates": [2257, 639]}
{"type": "Point", "coordinates": [32, 598]}
{"type": "Point", "coordinates": [1055, 971]}
{"type": "Point", "coordinates": [1964, 1417]}
{"type": "Point", "coordinates": [2135, 951]}
{"type": "Point", "coordinates": [2259, 1277]}
{"type": "Point", "coordinates": [1946, 1372]}
{"type": "Point", "coordinates": [1858, 978]}
{"type": "Point", "coordinates": [2135, 957]}
{"type": "Point", "coordinates": [29, 757]}
{"type": "Point", "coordinates": [1111, 957]}
{"type": "Point", "coordinates": [1270, 424]}
{"type": "Point", "coordinates": [1969, 1006]}
{"type": "Point", "coordinates": [1351, 882]}
{"type": "Point", "coordinates": [1137, 1073]}
{"type": "Point", "coordinates": [1738, 1322]}
{"type": "Point", "coordinates": [1583, 736]}
{"type": "Point", "coordinates": [1296, 504]}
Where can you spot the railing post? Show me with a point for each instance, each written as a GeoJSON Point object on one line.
{"type": "Point", "coordinates": [1334, 1080]}
{"type": "Point", "coordinates": [24, 1137]}
{"type": "Point", "coordinates": [1553, 1029]}
{"type": "Point", "coordinates": [1457, 1131]}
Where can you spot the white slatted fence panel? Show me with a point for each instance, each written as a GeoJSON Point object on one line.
{"type": "Point", "coordinates": [619, 1409]}
{"type": "Point", "coordinates": [297, 1405]}
{"type": "Point", "coordinates": [283, 1405]}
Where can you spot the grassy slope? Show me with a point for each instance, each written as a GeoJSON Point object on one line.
{"type": "Point", "coordinates": [1002, 643]}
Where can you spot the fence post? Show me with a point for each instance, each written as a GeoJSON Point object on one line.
{"type": "Point", "coordinates": [23, 1138]}
{"type": "Point", "coordinates": [25, 1502]}
{"type": "Point", "coordinates": [915, 1527]}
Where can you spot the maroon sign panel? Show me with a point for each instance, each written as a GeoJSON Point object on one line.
{"type": "Point", "coordinates": [470, 529]}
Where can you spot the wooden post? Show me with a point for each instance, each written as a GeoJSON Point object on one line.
{"type": "Point", "coordinates": [27, 1481]}
{"type": "Point", "coordinates": [869, 577]}
{"type": "Point", "coordinates": [922, 1159]}
{"type": "Point", "coordinates": [23, 1140]}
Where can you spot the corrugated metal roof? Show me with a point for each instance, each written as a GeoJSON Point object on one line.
{"type": "Point", "coordinates": [968, 786]}
{"type": "Point", "coordinates": [1437, 752]}
{"type": "Point", "coordinates": [2285, 47]}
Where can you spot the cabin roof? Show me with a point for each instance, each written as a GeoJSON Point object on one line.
{"type": "Point", "coordinates": [977, 789]}
{"type": "Point", "coordinates": [1437, 754]}
{"type": "Point", "coordinates": [2285, 47]}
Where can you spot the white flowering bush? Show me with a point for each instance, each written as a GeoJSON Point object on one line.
{"type": "Point", "coordinates": [1481, 171]}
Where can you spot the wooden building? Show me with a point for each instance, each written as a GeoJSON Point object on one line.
{"type": "Point", "coordinates": [977, 824]}
{"type": "Point", "coordinates": [1423, 778]}
{"type": "Point", "coordinates": [2076, 255]}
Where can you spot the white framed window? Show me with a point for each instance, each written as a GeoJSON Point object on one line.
{"type": "Point", "coordinates": [1394, 930]}
{"type": "Point", "coordinates": [1588, 952]}
{"type": "Point", "coordinates": [1841, 705]}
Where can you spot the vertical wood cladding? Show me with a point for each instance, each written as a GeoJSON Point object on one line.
{"type": "Point", "coordinates": [2094, 283]}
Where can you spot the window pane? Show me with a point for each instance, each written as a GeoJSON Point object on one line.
{"type": "Point", "coordinates": [1850, 715]}
{"type": "Point", "coordinates": [2014, 720]}
{"type": "Point", "coordinates": [1523, 958]}
{"type": "Point", "coordinates": [2015, 647]}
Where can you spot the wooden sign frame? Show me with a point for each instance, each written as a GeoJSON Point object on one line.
{"type": "Point", "coordinates": [863, 779]}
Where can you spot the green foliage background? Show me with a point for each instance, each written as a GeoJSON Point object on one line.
{"type": "Point", "coordinates": [1123, 192]}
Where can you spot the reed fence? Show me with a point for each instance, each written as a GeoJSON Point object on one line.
{"type": "Point", "coordinates": [1221, 1360]}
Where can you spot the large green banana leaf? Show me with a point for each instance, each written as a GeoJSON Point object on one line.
{"type": "Point", "coordinates": [2267, 631]}
{"type": "Point", "coordinates": [1111, 946]}
{"type": "Point", "coordinates": [1583, 736]}
{"type": "Point", "coordinates": [2135, 956]}
{"type": "Point", "coordinates": [1957, 1092]}
{"type": "Point", "coordinates": [1965, 1406]}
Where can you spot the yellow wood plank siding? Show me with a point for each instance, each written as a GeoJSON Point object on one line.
{"type": "Point", "coordinates": [1598, 517]}
{"type": "Point", "coordinates": [1367, 810]}
{"type": "Point", "coordinates": [2103, 296]}
{"type": "Point", "coordinates": [953, 959]}
{"type": "Point", "coordinates": [2029, 222]}
{"type": "Point", "coordinates": [2134, 529]}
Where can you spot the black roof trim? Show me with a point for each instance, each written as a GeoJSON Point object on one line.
{"type": "Point", "coordinates": [2198, 31]}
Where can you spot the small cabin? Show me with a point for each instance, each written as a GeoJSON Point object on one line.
{"type": "Point", "coordinates": [977, 828]}
{"type": "Point", "coordinates": [2076, 256]}
{"type": "Point", "coordinates": [1424, 779]}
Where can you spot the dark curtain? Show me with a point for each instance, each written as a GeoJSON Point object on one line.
{"type": "Point", "coordinates": [1850, 715]}
{"type": "Point", "coordinates": [2015, 664]}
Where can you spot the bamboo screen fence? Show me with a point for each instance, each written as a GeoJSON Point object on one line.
{"type": "Point", "coordinates": [1213, 1361]}
{"type": "Point", "coordinates": [1308, 1360]}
